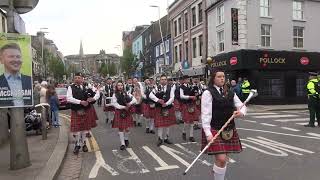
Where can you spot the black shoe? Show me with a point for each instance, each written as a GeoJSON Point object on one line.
{"type": "Point", "coordinates": [84, 148]}
{"type": "Point", "coordinates": [191, 139]}
{"type": "Point", "coordinates": [196, 127]}
{"type": "Point", "coordinates": [107, 120]}
{"type": "Point", "coordinates": [122, 147]}
{"type": "Point", "coordinates": [88, 135]}
{"type": "Point", "coordinates": [135, 124]}
{"type": "Point", "coordinates": [126, 142]}
{"type": "Point", "coordinates": [184, 136]}
{"type": "Point", "coordinates": [147, 131]}
{"type": "Point", "coordinates": [167, 141]}
{"type": "Point", "coordinates": [139, 124]}
{"type": "Point", "coordinates": [309, 125]}
{"type": "Point", "coordinates": [152, 132]}
{"type": "Point", "coordinates": [160, 142]}
{"type": "Point", "coordinates": [76, 150]}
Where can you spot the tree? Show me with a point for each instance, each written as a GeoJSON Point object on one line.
{"type": "Point", "coordinates": [127, 61]}
{"type": "Point", "coordinates": [56, 67]}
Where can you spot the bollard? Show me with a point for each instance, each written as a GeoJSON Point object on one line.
{"type": "Point", "coordinates": [44, 122]}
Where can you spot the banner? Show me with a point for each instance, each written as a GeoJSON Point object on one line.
{"type": "Point", "coordinates": [15, 71]}
{"type": "Point", "coordinates": [234, 26]}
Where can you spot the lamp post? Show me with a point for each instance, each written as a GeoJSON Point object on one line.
{"type": "Point", "coordinates": [161, 34]}
{"type": "Point", "coordinates": [42, 47]}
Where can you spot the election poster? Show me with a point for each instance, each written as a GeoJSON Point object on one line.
{"type": "Point", "coordinates": [15, 71]}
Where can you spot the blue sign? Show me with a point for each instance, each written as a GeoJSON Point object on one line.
{"type": "Point", "coordinates": [185, 64]}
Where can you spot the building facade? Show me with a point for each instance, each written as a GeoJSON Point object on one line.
{"type": "Point", "coordinates": [3, 22]}
{"type": "Point", "coordinates": [187, 21]}
{"type": "Point", "coordinates": [273, 43]}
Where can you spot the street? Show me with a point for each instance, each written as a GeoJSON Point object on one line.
{"type": "Point", "coordinates": [276, 147]}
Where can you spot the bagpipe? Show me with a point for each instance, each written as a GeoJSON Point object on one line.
{"type": "Point", "coordinates": [123, 99]}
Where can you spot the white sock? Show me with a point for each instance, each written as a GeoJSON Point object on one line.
{"type": "Point", "coordinates": [78, 138]}
{"type": "Point", "coordinates": [191, 130]}
{"type": "Point", "coordinates": [219, 172]}
{"type": "Point", "coordinates": [139, 118]}
{"type": "Point", "coordinates": [184, 128]}
{"type": "Point", "coordinates": [151, 124]}
{"type": "Point", "coordinates": [179, 115]}
{"type": "Point", "coordinates": [160, 132]}
{"type": "Point", "coordinates": [126, 135]}
{"type": "Point", "coordinates": [167, 133]}
{"type": "Point", "coordinates": [121, 134]}
{"type": "Point", "coordinates": [148, 123]}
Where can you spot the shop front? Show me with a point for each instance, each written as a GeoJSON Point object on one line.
{"type": "Point", "coordinates": [279, 76]}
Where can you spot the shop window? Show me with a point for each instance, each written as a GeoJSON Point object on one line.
{"type": "Point", "coordinates": [301, 87]}
{"type": "Point", "coordinates": [272, 88]}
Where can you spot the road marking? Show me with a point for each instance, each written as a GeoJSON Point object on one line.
{"type": "Point", "coordinates": [274, 116]}
{"type": "Point", "coordinates": [291, 120]}
{"type": "Point", "coordinates": [163, 165]}
{"type": "Point", "coordinates": [316, 124]}
{"type": "Point", "coordinates": [266, 124]}
{"type": "Point", "coordinates": [250, 121]}
{"type": "Point", "coordinates": [270, 132]}
{"type": "Point", "coordinates": [268, 113]}
{"type": "Point", "coordinates": [189, 143]}
{"type": "Point", "coordinates": [290, 129]}
{"type": "Point", "coordinates": [100, 162]}
{"type": "Point", "coordinates": [174, 153]}
{"type": "Point", "coordinates": [193, 155]}
{"type": "Point", "coordinates": [313, 134]}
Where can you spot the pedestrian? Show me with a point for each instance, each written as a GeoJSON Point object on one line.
{"type": "Point", "coordinates": [245, 88]}
{"type": "Point", "coordinates": [233, 86]}
{"type": "Point", "coordinates": [313, 88]}
{"type": "Point", "coordinates": [54, 106]}
{"type": "Point", "coordinates": [123, 101]}
{"type": "Point", "coordinates": [237, 89]}
{"type": "Point", "coordinates": [218, 104]}
{"type": "Point", "coordinates": [43, 92]}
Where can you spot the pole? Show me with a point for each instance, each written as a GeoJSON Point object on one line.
{"type": "Point", "coordinates": [42, 44]}
{"type": "Point", "coordinates": [19, 153]}
{"type": "Point", "coordinates": [164, 46]}
{"type": "Point", "coordinates": [4, 134]}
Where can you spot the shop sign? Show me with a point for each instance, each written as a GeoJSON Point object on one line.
{"type": "Point", "coordinates": [270, 60]}
{"type": "Point", "coordinates": [304, 61]}
{"type": "Point", "coordinates": [234, 26]}
{"type": "Point", "coordinates": [219, 64]}
{"type": "Point", "coordinates": [234, 61]}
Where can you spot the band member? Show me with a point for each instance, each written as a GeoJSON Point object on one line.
{"type": "Point", "coordinates": [189, 111]}
{"type": "Point", "coordinates": [122, 101]}
{"type": "Point", "coordinates": [163, 95]}
{"type": "Point", "coordinates": [93, 96]}
{"type": "Point", "coordinates": [177, 101]}
{"type": "Point", "coordinates": [149, 107]}
{"type": "Point", "coordinates": [218, 104]}
{"type": "Point", "coordinates": [108, 93]}
{"type": "Point", "coordinates": [129, 86]}
{"type": "Point", "coordinates": [197, 89]}
{"type": "Point", "coordinates": [79, 101]}
{"type": "Point", "coordinates": [100, 88]}
{"type": "Point", "coordinates": [137, 93]}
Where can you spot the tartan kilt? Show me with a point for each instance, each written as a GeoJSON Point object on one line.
{"type": "Point", "coordinates": [108, 108]}
{"type": "Point", "coordinates": [187, 117]}
{"type": "Point", "coordinates": [122, 123]}
{"type": "Point", "coordinates": [79, 123]}
{"type": "Point", "coordinates": [148, 112]}
{"type": "Point", "coordinates": [177, 105]}
{"type": "Point", "coordinates": [92, 116]}
{"type": "Point", "coordinates": [221, 146]}
{"type": "Point", "coordinates": [137, 108]}
{"type": "Point", "coordinates": [161, 121]}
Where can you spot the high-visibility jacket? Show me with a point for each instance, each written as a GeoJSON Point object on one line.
{"type": "Point", "coordinates": [311, 86]}
{"type": "Point", "coordinates": [245, 87]}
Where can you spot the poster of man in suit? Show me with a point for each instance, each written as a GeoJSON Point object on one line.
{"type": "Point", "coordinates": [15, 71]}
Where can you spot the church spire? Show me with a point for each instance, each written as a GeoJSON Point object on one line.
{"type": "Point", "coordinates": [81, 49]}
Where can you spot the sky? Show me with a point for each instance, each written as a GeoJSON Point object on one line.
{"type": "Point", "coordinates": [98, 23]}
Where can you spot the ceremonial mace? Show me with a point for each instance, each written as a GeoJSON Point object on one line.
{"type": "Point", "coordinates": [253, 94]}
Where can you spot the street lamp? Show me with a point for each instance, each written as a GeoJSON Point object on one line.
{"type": "Point", "coordinates": [42, 47]}
{"type": "Point", "coordinates": [164, 46]}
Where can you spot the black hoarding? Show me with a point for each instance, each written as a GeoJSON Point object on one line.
{"type": "Point", "coordinates": [234, 26]}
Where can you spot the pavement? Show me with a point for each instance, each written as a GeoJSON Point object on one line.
{"type": "Point", "coordinates": [46, 156]}
{"type": "Point", "coordinates": [286, 107]}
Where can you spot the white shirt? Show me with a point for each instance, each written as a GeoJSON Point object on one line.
{"type": "Point", "coordinates": [155, 99]}
{"type": "Point", "coordinates": [70, 97]}
{"type": "Point", "coordinates": [206, 109]}
{"type": "Point", "coordinates": [114, 101]}
{"type": "Point", "coordinates": [182, 96]}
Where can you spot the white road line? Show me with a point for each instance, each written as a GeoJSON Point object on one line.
{"type": "Point", "coordinates": [174, 153]}
{"type": "Point", "coordinates": [250, 121]}
{"type": "Point", "coordinates": [290, 129]}
{"type": "Point", "coordinates": [274, 116]}
{"type": "Point", "coordinates": [252, 114]}
{"type": "Point", "coordinates": [316, 124]}
{"type": "Point", "coordinates": [313, 134]}
{"type": "Point", "coordinates": [271, 132]}
{"type": "Point", "coordinates": [291, 120]}
{"type": "Point", "coordinates": [163, 165]}
{"type": "Point", "coordinates": [100, 163]}
{"type": "Point", "coordinates": [266, 124]}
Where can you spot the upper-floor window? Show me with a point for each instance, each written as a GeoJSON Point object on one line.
{"type": "Point", "coordinates": [157, 51]}
{"type": "Point", "coordinates": [180, 52]}
{"type": "Point", "coordinates": [186, 55]}
{"type": "Point", "coordinates": [220, 15]}
{"type": "Point", "coordinates": [161, 48]}
{"type": "Point", "coordinates": [194, 16]}
{"type": "Point", "coordinates": [167, 46]}
{"type": "Point", "coordinates": [3, 24]}
{"type": "Point", "coordinates": [194, 47]}
{"type": "Point", "coordinates": [175, 28]}
{"type": "Point", "coordinates": [186, 22]}
{"type": "Point", "coordinates": [179, 26]}
{"type": "Point", "coordinates": [220, 36]}
{"type": "Point", "coordinates": [298, 33]}
{"type": "Point", "coordinates": [149, 38]}
{"type": "Point", "coordinates": [200, 12]}
{"type": "Point", "coordinates": [297, 10]}
{"type": "Point", "coordinates": [176, 54]}
{"type": "Point", "coordinates": [200, 45]}
{"type": "Point", "coordinates": [265, 35]}
{"type": "Point", "coordinates": [265, 8]}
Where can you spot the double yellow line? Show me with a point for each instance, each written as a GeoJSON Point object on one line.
{"type": "Point", "coordinates": [91, 143]}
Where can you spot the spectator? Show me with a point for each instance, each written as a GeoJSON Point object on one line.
{"type": "Point", "coordinates": [233, 86]}
{"type": "Point", "coordinates": [43, 92]}
{"type": "Point", "coordinates": [36, 94]}
{"type": "Point", "coordinates": [237, 89]}
{"type": "Point", "coordinates": [54, 106]}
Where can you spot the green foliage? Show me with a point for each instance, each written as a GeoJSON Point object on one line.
{"type": "Point", "coordinates": [54, 65]}
{"type": "Point", "coordinates": [127, 61]}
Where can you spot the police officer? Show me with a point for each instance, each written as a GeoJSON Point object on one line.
{"type": "Point", "coordinates": [313, 99]}
{"type": "Point", "coordinates": [245, 88]}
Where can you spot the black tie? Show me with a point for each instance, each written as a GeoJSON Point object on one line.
{"type": "Point", "coordinates": [221, 91]}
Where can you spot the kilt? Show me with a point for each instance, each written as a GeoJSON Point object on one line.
{"type": "Point", "coordinates": [92, 116]}
{"type": "Point", "coordinates": [108, 108]}
{"type": "Point", "coordinates": [79, 123]}
{"type": "Point", "coordinates": [137, 108]}
{"type": "Point", "coordinates": [147, 111]}
{"type": "Point", "coordinates": [187, 117]}
{"type": "Point", "coordinates": [161, 121]}
{"type": "Point", "coordinates": [221, 146]}
{"type": "Point", "coordinates": [177, 105]}
{"type": "Point", "coordinates": [122, 123]}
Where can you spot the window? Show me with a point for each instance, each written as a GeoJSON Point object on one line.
{"type": "Point", "coordinates": [301, 85]}
{"type": "Point", "coordinates": [3, 24]}
{"type": "Point", "coordinates": [157, 51]}
{"type": "Point", "coordinates": [161, 48]}
{"type": "Point", "coordinates": [200, 45]}
{"type": "Point", "coordinates": [220, 15]}
{"type": "Point", "coordinates": [272, 87]}
{"type": "Point", "coordinates": [265, 35]}
{"type": "Point", "coordinates": [194, 47]}
{"type": "Point", "coordinates": [186, 23]}
{"type": "Point", "coordinates": [186, 55]}
{"type": "Point", "coordinates": [194, 16]}
{"type": "Point", "coordinates": [150, 38]}
{"type": "Point", "coordinates": [145, 41]}
{"type": "Point", "coordinates": [167, 60]}
{"type": "Point", "coordinates": [298, 37]}
{"type": "Point", "coordinates": [220, 36]}
{"type": "Point", "coordinates": [200, 12]}
{"type": "Point", "coordinates": [175, 28]}
{"type": "Point", "coordinates": [167, 46]}
{"type": "Point", "coordinates": [176, 54]}
{"type": "Point", "coordinates": [180, 52]}
{"type": "Point", "coordinates": [179, 26]}
{"type": "Point", "coordinates": [265, 8]}
{"type": "Point", "coordinates": [297, 10]}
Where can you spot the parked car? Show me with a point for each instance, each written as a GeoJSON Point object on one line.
{"type": "Point", "coordinates": [62, 96]}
